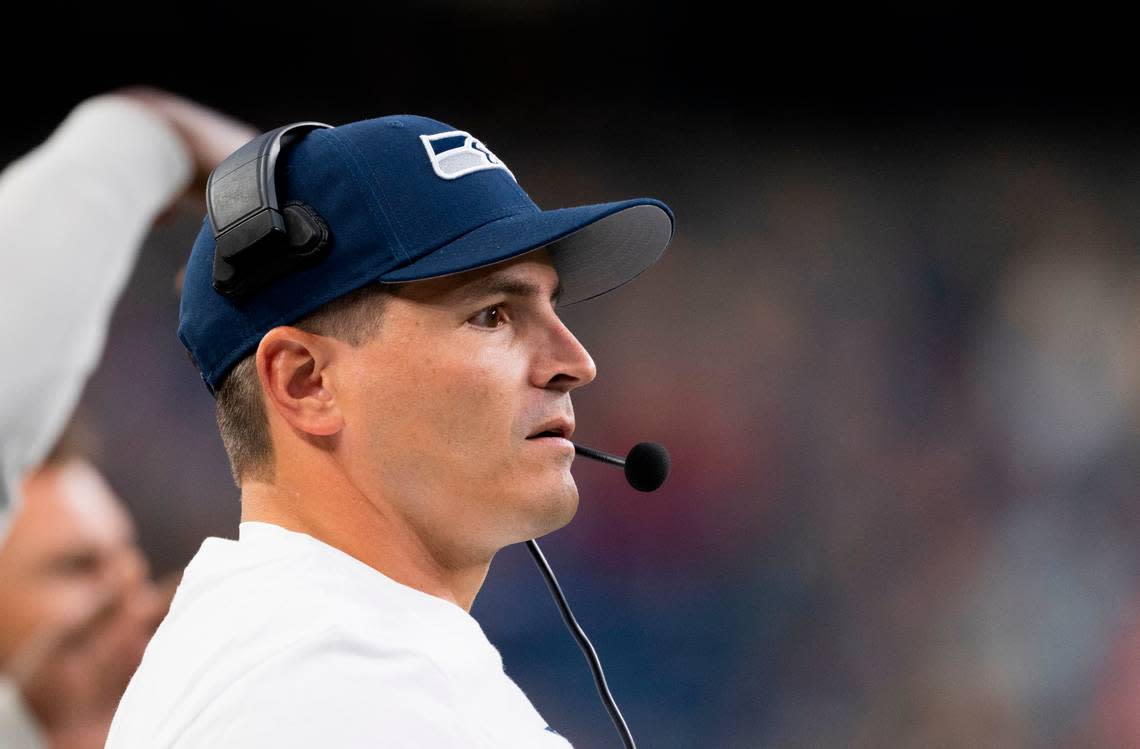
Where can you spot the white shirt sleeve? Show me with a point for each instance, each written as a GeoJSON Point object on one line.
{"type": "Point", "coordinates": [18, 730]}
{"type": "Point", "coordinates": [73, 213]}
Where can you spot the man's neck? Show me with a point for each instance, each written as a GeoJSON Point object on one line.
{"type": "Point", "coordinates": [343, 518]}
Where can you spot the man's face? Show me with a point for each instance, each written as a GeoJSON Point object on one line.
{"type": "Point", "coordinates": [444, 406]}
{"type": "Point", "coordinates": [70, 552]}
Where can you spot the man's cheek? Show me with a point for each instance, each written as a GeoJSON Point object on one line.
{"type": "Point", "coordinates": [474, 396]}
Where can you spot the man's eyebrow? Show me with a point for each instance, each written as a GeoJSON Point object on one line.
{"type": "Point", "coordinates": [505, 285]}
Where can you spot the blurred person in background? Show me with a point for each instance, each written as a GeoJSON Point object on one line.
{"type": "Point", "coordinates": [76, 605]}
{"type": "Point", "coordinates": [74, 212]}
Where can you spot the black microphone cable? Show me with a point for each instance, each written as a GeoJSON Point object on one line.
{"type": "Point", "coordinates": [646, 468]}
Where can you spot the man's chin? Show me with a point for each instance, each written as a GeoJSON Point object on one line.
{"type": "Point", "coordinates": [556, 510]}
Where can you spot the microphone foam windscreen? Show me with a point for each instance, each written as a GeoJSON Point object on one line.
{"type": "Point", "coordinates": [647, 466]}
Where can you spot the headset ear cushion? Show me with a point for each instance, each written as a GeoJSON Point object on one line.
{"type": "Point", "coordinates": [307, 232]}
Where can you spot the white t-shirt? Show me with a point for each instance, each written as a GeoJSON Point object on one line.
{"type": "Point", "coordinates": [280, 640]}
{"type": "Point", "coordinates": [18, 728]}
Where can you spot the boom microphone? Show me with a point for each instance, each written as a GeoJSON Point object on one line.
{"type": "Point", "coordinates": [646, 468]}
{"type": "Point", "coordinates": [646, 465]}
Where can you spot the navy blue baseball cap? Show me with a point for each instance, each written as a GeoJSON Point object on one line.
{"type": "Point", "coordinates": [407, 198]}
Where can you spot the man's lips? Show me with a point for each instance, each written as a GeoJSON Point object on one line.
{"type": "Point", "coordinates": [558, 427]}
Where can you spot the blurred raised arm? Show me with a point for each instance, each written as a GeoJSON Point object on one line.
{"type": "Point", "coordinates": [73, 213]}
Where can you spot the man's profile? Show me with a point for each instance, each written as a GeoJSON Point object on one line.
{"type": "Point", "coordinates": [393, 388]}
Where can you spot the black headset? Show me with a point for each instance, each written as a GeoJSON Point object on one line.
{"type": "Point", "coordinates": [256, 239]}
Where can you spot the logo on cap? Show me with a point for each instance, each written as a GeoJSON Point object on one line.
{"type": "Point", "coordinates": [456, 153]}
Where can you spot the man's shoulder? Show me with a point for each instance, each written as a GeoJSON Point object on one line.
{"type": "Point", "coordinates": [226, 663]}
{"type": "Point", "coordinates": [260, 631]}
{"type": "Point", "coordinates": [305, 685]}
{"type": "Point", "coordinates": [274, 577]}
{"type": "Point", "coordinates": [246, 602]}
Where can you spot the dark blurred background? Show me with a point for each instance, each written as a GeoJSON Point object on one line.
{"type": "Point", "coordinates": [894, 348]}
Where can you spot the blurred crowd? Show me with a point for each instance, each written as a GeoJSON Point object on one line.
{"type": "Point", "coordinates": [900, 389]}
{"type": "Point", "coordinates": [899, 380]}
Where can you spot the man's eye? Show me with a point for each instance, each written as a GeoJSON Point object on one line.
{"type": "Point", "coordinates": [74, 565]}
{"type": "Point", "coordinates": [491, 317]}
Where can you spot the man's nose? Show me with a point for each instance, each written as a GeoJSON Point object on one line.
{"type": "Point", "coordinates": [127, 568]}
{"type": "Point", "coordinates": [564, 363]}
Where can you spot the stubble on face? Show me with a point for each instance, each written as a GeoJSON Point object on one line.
{"type": "Point", "coordinates": [441, 402]}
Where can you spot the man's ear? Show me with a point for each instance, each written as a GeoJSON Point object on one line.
{"type": "Point", "coordinates": [293, 368]}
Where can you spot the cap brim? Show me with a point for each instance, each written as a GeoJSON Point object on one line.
{"type": "Point", "coordinates": [594, 248]}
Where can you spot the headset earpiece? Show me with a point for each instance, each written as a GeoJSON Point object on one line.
{"type": "Point", "coordinates": [257, 240]}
